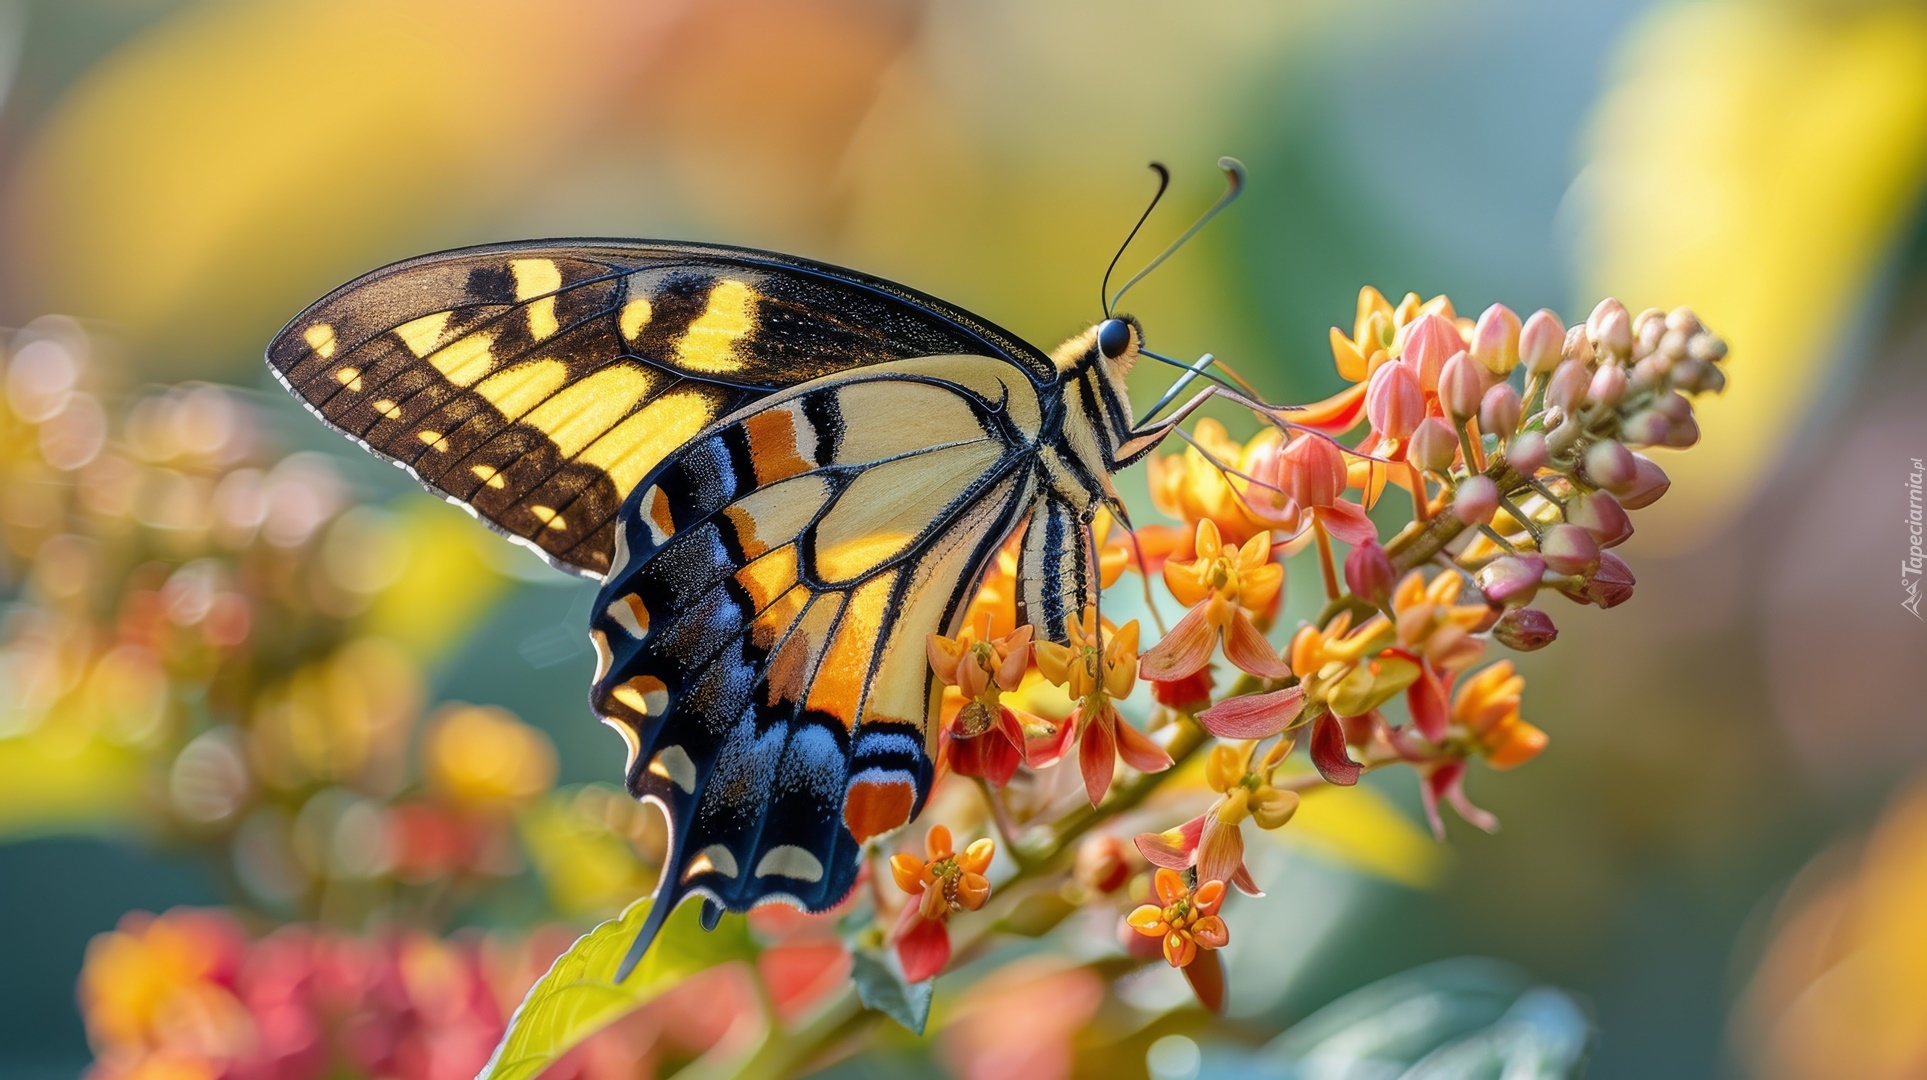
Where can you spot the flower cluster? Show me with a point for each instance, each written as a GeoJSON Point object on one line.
{"type": "Point", "coordinates": [1520, 445]}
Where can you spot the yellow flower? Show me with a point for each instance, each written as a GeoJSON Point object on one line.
{"type": "Point", "coordinates": [482, 758]}
{"type": "Point", "coordinates": [1096, 670]}
{"type": "Point", "coordinates": [945, 881]}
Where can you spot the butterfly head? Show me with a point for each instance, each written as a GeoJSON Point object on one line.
{"type": "Point", "coordinates": [1110, 347]}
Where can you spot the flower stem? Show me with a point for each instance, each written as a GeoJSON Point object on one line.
{"type": "Point", "coordinates": [1325, 559]}
{"type": "Point", "coordinates": [1421, 502]}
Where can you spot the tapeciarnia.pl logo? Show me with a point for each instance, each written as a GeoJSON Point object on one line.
{"type": "Point", "coordinates": [1910, 567]}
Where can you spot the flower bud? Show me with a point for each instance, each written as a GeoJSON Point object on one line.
{"type": "Point", "coordinates": [1608, 386]}
{"type": "Point", "coordinates": [1434, 445]}
{"type": "Point", "coordinates": [1711, 379]}
{"type": "Point", "coordinates": [1429, 342]}
{"type": "Point", "coordinates": [1647, 427]}
{"type": "Point", "coordinates": [1578, 346]}
{"type": "Point", "coordinates": [1527, 454]}
{"type": "Point", "coordinates": [1495, 340]}
{"type": "Point", "coordinates": [1648, 373]}
{"type": "Point", "coordinates": [1647, 487]}
{"type": "Point", "coordinates": [1499, 410]}
{"type": "Point", "coordinates": [1610, 465]}
{"type": "Point", "coordinates": [1103, 864]}
{"type": "Point", "coordinates": [1612, 584]}
{"type": "Point", "coordinates": [1610, 327]}
{"type": "Point", "coordinates": [1393, 401]}
{"type": "Point", "coordinates": [1683, 434]}
{"type": "Point", "coordinates": [1567, 389]}
{"type": "Point", "coordinates": [1601, 515]}
{"type": "Point", "coordinates": [1476, 499]}
{"type": "Point", "coordinates": [1540, 341]}
{"type": "Point", "coordinates": [1704, 346]}
{"type": "Point", "coordinates": [1672, 346]}
{"type": "Point", "coordinates": [1461, 385]}
{"type": "Point", "coordinates": [1569, 549]}
{"type": "Point", "coordinates": [1313, 472]}
{"type": "Point", "coordinates": [1648, 328]}
{"type": "Point", "coordinates": [1369, 574]}
{"type": "Point", "coordinates": [1674, 407]}
{"type": "Point", "coordinates": [1512, 580]}
{"type": "Point", "coordinates": [1683, 320]}
{"type": "Point", "coordinates": [1525, 629]}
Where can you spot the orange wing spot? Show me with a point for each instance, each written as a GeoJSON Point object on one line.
{"type": "Point", "coordinates": [661, 522]}
{"type": "Point", "coordinates": [789, 667]}
{"type": "Point", "coordinates": [774, 622]}
{"type": "Point", "coordinates": [772, 445]}
{"type": "Point", "coordinates": [645, 694]}
{"type": "Point", "coordinates": [874, 807]}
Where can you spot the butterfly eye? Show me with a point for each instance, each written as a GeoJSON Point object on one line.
{"type": "Point", "coordinates": [1113, 337]}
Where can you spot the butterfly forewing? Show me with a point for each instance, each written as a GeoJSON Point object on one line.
{"type": "Point", "coordinates": [539, 383]}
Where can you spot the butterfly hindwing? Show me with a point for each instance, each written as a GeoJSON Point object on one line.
{"type": "Point", "coordinates": [761, 636]}
{"type": "Point", "coordinates": [538, 383]}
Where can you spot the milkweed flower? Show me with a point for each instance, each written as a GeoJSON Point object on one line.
{"type": "Point", "coordinates": [1214, 841]}
{"type": "Point", "coordinates": [1223, 583]}
{"type": "Point", "coordinates": [1097, 668]}
{"type": "Point", "coordinates": [942, 882]}
{"type": "Point", "coordinates": [1316, 477]}
{"type": "Point", "coordinates": [987, 737]}
{"type": "Point", "coordinates": [1192, 488]}
{"type": "Point", "coordinates": [1185, 919]}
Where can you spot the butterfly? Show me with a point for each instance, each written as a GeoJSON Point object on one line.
{"type": "Point", "coordinates": [785, 475]}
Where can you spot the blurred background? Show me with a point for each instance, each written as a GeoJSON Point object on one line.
{"type": "Point", "coordinates": [1720, 861]}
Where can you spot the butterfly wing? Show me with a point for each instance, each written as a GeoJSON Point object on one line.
{"type": "Point", "coordinates": [761, 637]}
{"type": "Point", "coordinates": [538, 383]}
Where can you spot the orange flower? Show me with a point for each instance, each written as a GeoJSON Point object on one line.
{"type": "Point", "coordinates": [1186, 919]}
{"type": "Point", "coordinates": [942, 883]}
{"type": "Point", "coordinates": [987, 737]}
{"type": "Point", "coordinates": [1222, 583]}
{"type": "Point", "coordinates": [1487, 705]}
{"type": "Point", "coordinates": [1096, 672]}
{"type": "Point", "coordinates": [1192, 488]}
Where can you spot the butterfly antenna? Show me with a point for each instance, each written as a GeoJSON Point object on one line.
{"type": "Point", "coordinates": [1164, 181]}
{"type": "Point", "coordinates": [1234, 181]}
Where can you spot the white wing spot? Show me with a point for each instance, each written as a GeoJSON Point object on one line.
{"type": "Point", "coordinates": [790, 861]}
{"type": "Point", "coordinates": [672, 764]}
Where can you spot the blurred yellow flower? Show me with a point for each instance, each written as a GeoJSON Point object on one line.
{"type": "Point", "coordinates": [1758, 158]}
{"type": "Point", "coordinates": [481, 758]}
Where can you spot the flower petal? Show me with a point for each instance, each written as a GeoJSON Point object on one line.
{"type": "Point", "coordinates": [938, 843]}
{"type": "Point", "coordinates": [1147, 919]}
{"type": "Point", "coordinates": [1254, 716]}
{"type": "Point", "coordinates": [1173, 849]}
{"type": "Point", "coordinates": [1138, 751]}
{"type": "Point", "coordinates": [1248, 649]}
{"type": "Point", "coordinates": [1170, 886]}
{"type": "Point", "coordinates": [1221, 851]}
{"type": "Point", "coordinates": [923, 949]}
{"type": "Point", "coordinates": [1205, 973]}
{"type": "Point", "coordinates": [1184, 651]}
{"type": "Point", "coordinates": [1097, 755]}
{"type": "Point", "coordinates": [1179, 949]}
{"type": "Point", "coordinates": [1211, 932]}
{"type": "Point", "coordinates": [1347, 521]}
{"type": "Point", "coordinates": [1426, 699]}
{"type": "Point", "coordinates": [1328, 752]}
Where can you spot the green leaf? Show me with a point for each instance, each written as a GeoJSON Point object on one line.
{"type": "Point", "coordinates": [880, 985]}
{"type": "Point", "coordinates": [579, 996]}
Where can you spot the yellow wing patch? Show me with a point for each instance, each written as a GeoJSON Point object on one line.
{"type": "Point", "coordinates": [709, 345]}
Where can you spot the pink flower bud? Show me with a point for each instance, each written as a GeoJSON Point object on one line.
{"type": "Point", "coordinates": [1610, 327]}
{"type": "Point", "coordinates": [1528, 453]}
{"type": "Point", "coordinates": [1434, 445]}
{"type": "Point", "coordinates": [1314, 471]}
{"type": "Point", "coordinates": [1646, 489]}
{"type": "Point", "coordinates": [1394, 402]}
{"type": "Point", "coordinates": [1540, 342]}
{"type": "Point", "coordinates": [1611, 585]}
{"type": "Point", "coordinates": [1429, 342]}
{"type": "Point", "coordinates": [1525, 629]}
{"type": "Point", "coordinates": [1674, 407]}
{"type": "Point", "coordinates": [1569, 549]}
{"type": "Point", "coordinates": [1369, 574]}
{"type": "Point", "coordinates": [1649, 372]}
{"type": "Point", "coordinates": [1476, 499]}
{"type": "Point", "coordinates": [1578, 346]}
{"type": "Point", "coordinates": [1570, 380]}
{"type": "Point", "coordinates": [1499, 410]}
{"type": "Point", "coordinates": [1648, 328]}
{"type": "Point", "coordinates": [1495, 340]}
{"type": "Point", "coordinates": [1512, 580]}
{"type": "Point", "coordinates": [1601, 515]}
{"type": "Point", "coordinates": [1610, 465]}
{"type": "Point", "coordinates": [1683, 433]}
{"type": "Point", "coordinates": [1608, 386]}
{"type": "Point", "coordinates": [1683, 320]}
{"type": "Point", "coordinates": [1647, 427]}
{"type": "Point", "coordinates": [1461, 385]}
